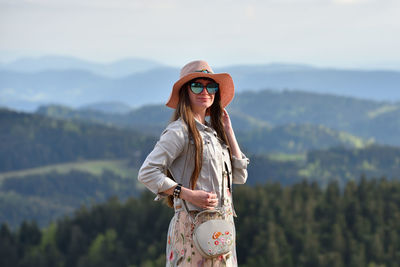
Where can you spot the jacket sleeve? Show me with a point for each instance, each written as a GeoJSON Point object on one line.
{"type": "Point", "coordinates": [239, 169]}
{"type": "Point", "coordinates": [167, 149]}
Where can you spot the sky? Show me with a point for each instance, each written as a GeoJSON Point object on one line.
{"type": "Point", "coordinates": [328, 33]}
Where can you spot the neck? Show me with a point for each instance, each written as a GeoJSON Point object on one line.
{"type": "Point", "coordinates": [200, 115]}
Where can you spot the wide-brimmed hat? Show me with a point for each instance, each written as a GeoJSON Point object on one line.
{"type": "Point", "coordinates": [201, 69]}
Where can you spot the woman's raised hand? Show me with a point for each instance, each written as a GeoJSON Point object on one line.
{"type": "Point", "coordinates": [226, 121]}
{"type": "Point", "coordinates": [200, 198]}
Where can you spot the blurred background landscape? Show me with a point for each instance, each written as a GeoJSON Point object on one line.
{"type": "Point", "coordinates": [79, 112]}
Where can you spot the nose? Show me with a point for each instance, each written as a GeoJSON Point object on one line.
{"type": "Point", "coordinates": [204, 92]}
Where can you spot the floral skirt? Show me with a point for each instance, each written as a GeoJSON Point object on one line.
{"type": "Point", "coordinates": [181, 250]}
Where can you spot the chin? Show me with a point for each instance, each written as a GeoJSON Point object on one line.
{"type": "Point", "coordinates": [204, 105]}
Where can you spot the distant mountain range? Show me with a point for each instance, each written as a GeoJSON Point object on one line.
{"type": "Point", "coordinates": [28, 83]}
{"type": "Point", "coordinates": [114, 69]}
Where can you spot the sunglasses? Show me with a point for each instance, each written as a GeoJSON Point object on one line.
{"type": "Point", "coordinates": [197, 88]}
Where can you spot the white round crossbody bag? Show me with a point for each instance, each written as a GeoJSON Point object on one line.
{"type": "Point", "coordinates": [214, 234]}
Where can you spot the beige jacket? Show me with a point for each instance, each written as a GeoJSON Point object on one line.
{"type": "Point", "coordinates": [174, 149]}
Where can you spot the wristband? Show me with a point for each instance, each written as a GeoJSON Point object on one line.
{"type": "Point", "coordinates": [177, 191]}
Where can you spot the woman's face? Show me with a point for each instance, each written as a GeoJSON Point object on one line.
{"type": "Point", "coordinates": [204, 99]}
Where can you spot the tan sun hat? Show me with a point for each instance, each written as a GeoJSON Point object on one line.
{"type": "Point", "coordinates": [197, 69]}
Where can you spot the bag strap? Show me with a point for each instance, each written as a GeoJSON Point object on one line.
{"type": "Point", "coordinates": [230, 188]}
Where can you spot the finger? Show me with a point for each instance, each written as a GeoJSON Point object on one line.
{"type": "Point", "coordinates": [214, 203]}
{"type": "Point", "coordinates": [210, 206]}
{"type": "Point", "coordinates": [211, 202]}
{"type": "Point", "coordinates": [207, 206]}
{"type": "Point", "coordinates": [226, 113]}
{"type": "Point", "coordinates": [212, 195]}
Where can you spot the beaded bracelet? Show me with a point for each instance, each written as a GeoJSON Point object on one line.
{"type": "Point", "coordinates": [177, 190]}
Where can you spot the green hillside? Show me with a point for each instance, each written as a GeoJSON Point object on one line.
{"type": "Point", "coordinates": [296, 138]}
{"type": "Point", "coordinates": [120, 167]}
{"type": "Point", "coordinates": [42, 159]}
{"type": "Point", "coordinates": [31, 140]}
{"type": "Point", "coordinates": [49, 192]}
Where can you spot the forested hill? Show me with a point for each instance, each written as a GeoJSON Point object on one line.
{"type": "Point", "coordinates": [30, 140]}
{"type": "Point", "coordinates": [255, 136]}
{"type": "Point", "coordinates": [270, 108]}
{"type": "Point", "coordinates": [299, 225]}
{"type": "Point", "coordinates": [102, 161]}
{"type": "Point", "coordinates": [365, 118]}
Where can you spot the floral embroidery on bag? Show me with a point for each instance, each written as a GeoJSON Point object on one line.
{"type": "Point", "coordinates": [216, 235]}
{"type": "Point", "coordinates": [183, 238]}
{"type": "Point", "coordinates": [171, 256]}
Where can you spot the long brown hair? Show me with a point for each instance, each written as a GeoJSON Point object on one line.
{"type": "Point", "coordinates": [185, 112]}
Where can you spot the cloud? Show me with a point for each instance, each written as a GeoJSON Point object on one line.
{"type": "Point", "coordinates": [250, 11]}
{"type": "Point", "coordinates": [230, 31]}
{"type": "Point", "coordinates": [352, 2]}
{"type": "Point", "coordinates": [101, 4]}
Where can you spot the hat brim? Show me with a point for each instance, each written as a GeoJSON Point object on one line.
{"type": "Point", "coordinates": [226, 87]}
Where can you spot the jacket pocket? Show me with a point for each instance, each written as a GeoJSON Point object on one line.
{"type": "Point", "coordinates": [206, 148]}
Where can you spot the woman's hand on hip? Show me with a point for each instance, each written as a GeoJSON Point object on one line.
{"type": "Point", "coordinates": [200, 198]}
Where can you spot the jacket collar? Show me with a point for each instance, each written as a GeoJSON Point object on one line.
{"type": "Point", "coordinates": [203, 127]}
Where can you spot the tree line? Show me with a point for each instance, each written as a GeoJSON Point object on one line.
{"type": "Point", "coordinates": [297, 225]}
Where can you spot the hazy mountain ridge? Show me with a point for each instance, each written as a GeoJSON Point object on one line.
{"type": "Point", "coordinates": [108, 107]}
{"type": "Point", "coordinates": [113, 69]}
{"type": "Point", "coordinates": [80, 85]}
{"type": "Point", "coordinates": [367, 84]}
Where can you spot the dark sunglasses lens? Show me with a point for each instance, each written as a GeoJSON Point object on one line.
{"type": "Point", "coordinates": [212, 88]}
{"type": "Point", "coordinates": [196, 88]}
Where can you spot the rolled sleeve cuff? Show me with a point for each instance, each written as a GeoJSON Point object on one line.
{"type": "Point", "coordinates": [167, 184]}
{"type": "Point", "coordinates": [240, 163]}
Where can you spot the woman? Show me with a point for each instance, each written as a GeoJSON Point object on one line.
{"type": "Point", "coordinates": [188, 161]}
